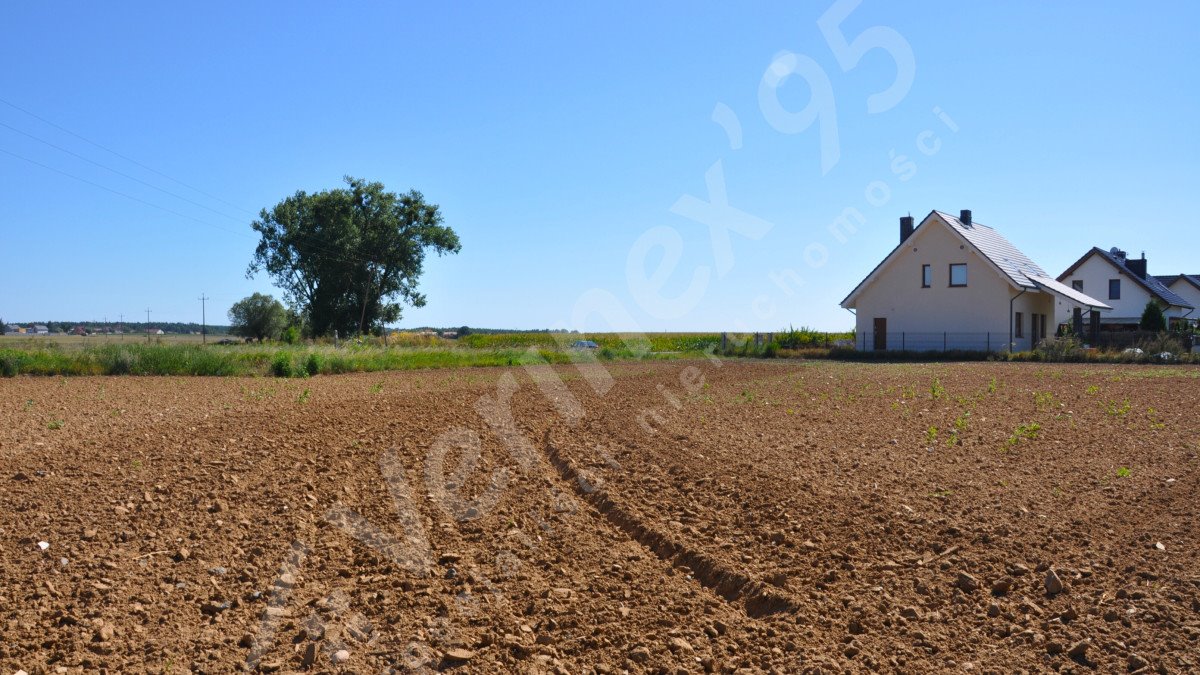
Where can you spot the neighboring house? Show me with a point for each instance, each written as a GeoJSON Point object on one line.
{"type": "Point", "coordinates": [953, 283]}
{"type": "Point", "coordinates": [1124, 283]}
{"type": "Point", "coordinates": [154, 331]}
{"type": "Point", "coordinates": [39, 329]}
{"type": "Point", "coordinates": [1186, 286]}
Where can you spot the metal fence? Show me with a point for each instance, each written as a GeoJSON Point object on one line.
{"type": "Point", "coordinates": [998, 342]}
{"type": "Point", "coordinates": [933, 342]}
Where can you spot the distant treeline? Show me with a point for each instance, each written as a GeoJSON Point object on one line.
{"type": "Point", "coordinates": [126, 327]}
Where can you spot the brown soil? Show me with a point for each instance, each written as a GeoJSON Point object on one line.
{"type": "Point", "coordinates": [767, 516]}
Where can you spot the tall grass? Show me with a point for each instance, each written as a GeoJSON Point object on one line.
{"type": "Point", "coordinates": [618, 342]}
{"type": "Point", "coordinates": [274, 360]}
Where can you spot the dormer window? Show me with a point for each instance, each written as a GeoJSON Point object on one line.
{"type": "Point", "coordinates": [958, 274]}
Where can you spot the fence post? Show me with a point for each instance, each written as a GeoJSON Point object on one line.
{"type": "Point", "coordinates": [724, 341]}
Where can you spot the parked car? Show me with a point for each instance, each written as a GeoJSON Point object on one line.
{"type": "Point", "coordinates": [584, 344]}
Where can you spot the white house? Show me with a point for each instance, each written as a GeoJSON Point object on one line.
{"type": "Point", "coordinates": [1186, 286]}
{"type": "Point", "coordinates": [953, 283]}
{"type": "Point", "coordinates": [1124, 283]}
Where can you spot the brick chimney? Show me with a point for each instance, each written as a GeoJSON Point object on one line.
{"type": "Point", "coordinates": [965, 217]}
{"type": "Point", "coordinates": [906, 228]}
{"type": "Point", "coordinates": [1137, 266]}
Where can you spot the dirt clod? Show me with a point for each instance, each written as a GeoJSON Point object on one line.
{"type": "Point", "coordinates": [459, 654]}
{"type": "Point", "coordinates": [680, 646]}
{"type": "Point", "coordinates": [310, 655]}
{"type": "Point", "coordinates": [1054, 583]}
{"type": "Point", "coordinates": [967, 583]}
{"type": "Point", "coordinates": [1079, 649]}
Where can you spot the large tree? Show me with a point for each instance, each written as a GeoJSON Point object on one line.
{"type": "Point", "coordinates": [257, 316]}
{"type": "Point", "coordinates": [349, 257]}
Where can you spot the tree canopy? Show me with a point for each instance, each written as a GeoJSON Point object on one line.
{"type": "Point", "coordinates": [1152, 318]}
{"type": "Point", "coordinates": [348, 257]}
{"type": "Point", "coordinates": [257, 316]}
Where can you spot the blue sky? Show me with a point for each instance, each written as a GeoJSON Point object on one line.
{"type": "Point", "coordinates": [557, 140]}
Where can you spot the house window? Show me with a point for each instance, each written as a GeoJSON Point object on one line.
{"type": "Point", "coordinates": [1077, 284]}
{"type": "Point", "coordinates": [926, 276]}
{"type": "Point", "coordinates": [958, 274]}
{"type": "Point", "coordinates": [1114, 289]}
{"type": "Point", "coordinates": [1018, 326]}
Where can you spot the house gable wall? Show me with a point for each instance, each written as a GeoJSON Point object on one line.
{"type": "Point", "coordinates": [1189, 292]}
{"type": "Point", "coordinates": [1095, 273]}
{"type": "Point", "coordinates": [895, 293]}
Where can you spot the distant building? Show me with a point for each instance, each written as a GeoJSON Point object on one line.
{"type": "Point", "coordinates": [1186, 286]}
{"type": "Point", "coordinates": [78, 330]}
{"type": "Point", "coordinates": [39, 329]}
{"type": "Point", "coordinates": [1128, 287]}
{"type": "Point", "coordinates": [154, 331]}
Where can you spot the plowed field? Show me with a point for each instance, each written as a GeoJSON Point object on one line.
{"type": "Point", "coordinates": [669, 517]}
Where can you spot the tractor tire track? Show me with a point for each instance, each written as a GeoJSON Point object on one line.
{"type": "Point", "coordinates": [755, 598]}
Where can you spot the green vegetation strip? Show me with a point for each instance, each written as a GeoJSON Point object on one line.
{"type": "Point", "coordinates": [276, 360]}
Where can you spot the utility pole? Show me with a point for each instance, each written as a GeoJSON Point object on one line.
{"type": "Point", "coordinates": [121, 326]}
{"type": "Point", "coordinates": [203, 320]}
{"type": "Point", "coordinates": [147, 325]}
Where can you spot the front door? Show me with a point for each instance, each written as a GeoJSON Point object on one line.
{"type": "Point", "coordinates": [880, 335]}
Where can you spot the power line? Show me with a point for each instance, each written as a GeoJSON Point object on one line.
{"type": "Point", "coordinates": [310, 246]}
{"type": "Point", "coordinates": [118, 192]}
{"type": "Point", "coordinates": [119, 173]}
{"type": "Point", "coordinates": [124, 157]}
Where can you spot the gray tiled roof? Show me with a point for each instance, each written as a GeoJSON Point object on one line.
{"type": "Point", "coordinates": [1169, 279]}
{"type": "Point", "coordinates": [1016, 265]}
{"type": "Point", "coordinates": [1150, 283]}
